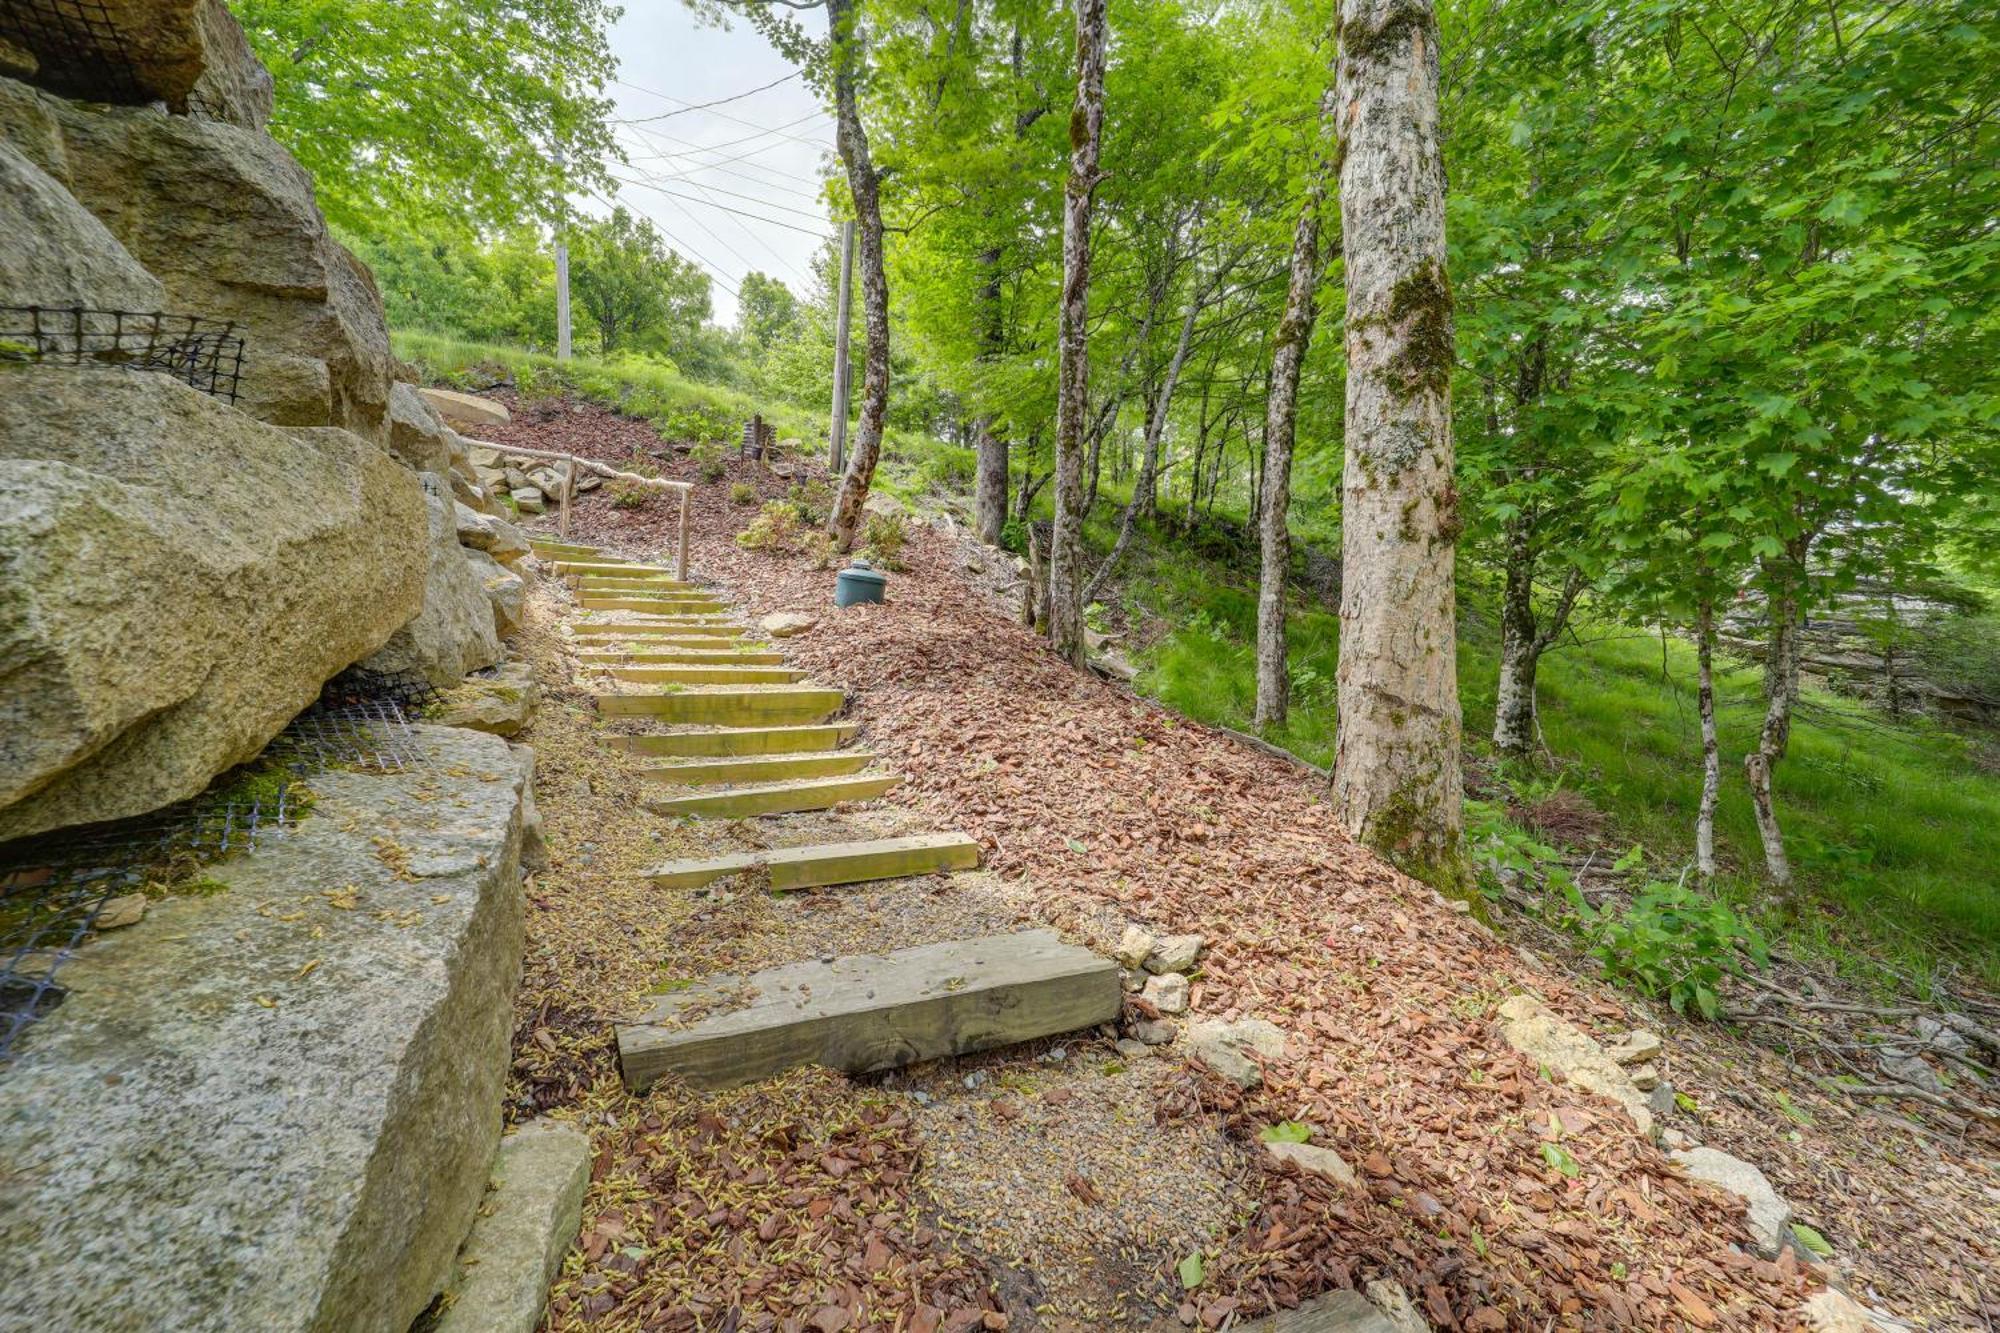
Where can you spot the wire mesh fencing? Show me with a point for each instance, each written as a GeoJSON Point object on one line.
{"type": "Point", "coordinates": [205, 354]}
{"type": "Point", "coordinates": [78, 48]}
{"type": "Point", "coordinates": [54, 888]}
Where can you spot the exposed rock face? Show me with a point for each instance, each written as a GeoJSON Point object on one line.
{"type": "Point", "coordinates": [54, 253]}
{"type": "Point", "coordinates": [1532, 1029]}
{"type": "Point", "coordinates": [1769, 1214]}
{"type": "Point", "coordinates": [209, 1133]}
{"type": "Point", "coordinates": [454, 633]}
{"type": "Point", "coordinates": [495, 536]}
{"type": "Point", "coordinates": [527, 1225]}
{"type": "Point", "coordinates": [176, 582]}
{"type": "Point", "coordinates": [189, 54]}
{"type": "Point", "coordinates": [226, 220]}
{"type": "Point", "coordinates": [503, 703]}
{"type": "Point", "coordinates": [416, 435]}
{"type": "Point", "coordinates": [466, 409]}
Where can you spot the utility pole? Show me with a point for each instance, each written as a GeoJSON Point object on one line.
{"type": "Point", "coordinates": [562, 275]}
{"type": "Point", "coordinates": [837, 459]}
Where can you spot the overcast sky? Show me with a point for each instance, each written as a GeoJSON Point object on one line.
{"type": "Point", "coordinates": [760, 155]}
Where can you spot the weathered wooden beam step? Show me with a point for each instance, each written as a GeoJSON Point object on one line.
{"type": "Point", "coordinates": [571, 550]}
{"type": "Point", "coordinates": [870, 1012]}
{"type": "Point", "coordinates": [609, 568]}
{"type": "Point", "coordinates": [626, 602]}
{"type": "Point", "coordinates": [707, 675]}
{"type": "Point", "coordinates": [742, 706]}
{"type": "Point", "coordinates": [759, 768]}
{"type": "Point", "coordinates": [739, 740]}
{"type": "Point", "coordinates": [775, 798]}
{"type": "Point", "coordinates": [688, 656]}
{"type": "Point", "coordinates": [666, 588]}
{"type": "Point", "coordinates": [655, 629]}
{"type": "Point", "coordinates": [829, 862]}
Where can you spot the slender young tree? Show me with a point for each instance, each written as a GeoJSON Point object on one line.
{"type": "Point", "coordinates": [1396, 781]}
{"type": "Point", "coordinates": [1086, 133]}
{"type": "Point", "coordinates": [1295, 330]}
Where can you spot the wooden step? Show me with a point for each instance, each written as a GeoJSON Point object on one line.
{"type": "Point", "coordinates": [577, 550]}
{"type": "Point", "coordinates": [689, 656]}
{"type": "Point", "coordinates": [746, 706]}
{"type": "Point", "coordinates": [759, 768]}
{"type": "Point", "coordinates": [739, 740]}
{"type": "Point", "coordinates": [571, 569]}
{"type": "Point", "coordinates": [636, 647]}
{"type": "Point", "coordinates": [775, 798]}
{"type": "Point", "coordinates": [870, 1012]}
{"type": "Point", "coordinates": [829, 862]}
{"type": "Point", "coordinates": [628, 602]}
{"type": "Point", "coordinates": [648, 587]}
{"type": "Point", "coordinates": [659, 629]}
{"type": "Point", "coordinates": [707, 675]}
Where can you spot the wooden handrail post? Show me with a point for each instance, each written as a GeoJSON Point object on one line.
{"type": "Point", "coordinates": [681, 565]}
{"type": "Point", "coordinates": [562, 510]}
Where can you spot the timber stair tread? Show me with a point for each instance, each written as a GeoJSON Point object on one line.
{"type": "Point", "coordinates": [775, 798]}
{"type": "Point", "coordinates": [744, 705]}
{"type": "Point", "coordinates": [698, 674]}
{"type": "Point", "coordinates": [828, 863]}
{"type": "Point", "coordinates": [869, 1012]}
{"type": "Point", "coordinates": [753, 768]}
{"type": "Point", "coordinates": [682, 657]}
{"type": "Point", "coordinates": [623, 602]}
{"type": "Point", "coordinates": [739, 740]}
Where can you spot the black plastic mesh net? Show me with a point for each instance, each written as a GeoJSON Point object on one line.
{"type": "Point", "coordinates": [204, 353]}
{"type": "Point", "coordinates": [76, 48]}
{"type": "Point", "coordinates": [53, 888]}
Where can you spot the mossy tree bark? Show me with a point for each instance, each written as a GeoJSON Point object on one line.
{"type": "Point", "coordinates": [865, 185]}
{"type": "Point", "coordinates": [1086, 134]}
{"type": "Point", "coordinates": [1396, 782]}
{"type": "Point", "coordinates": [1711, 753]}
{"type": "Point", "coordinates": [1295, 330]}
{"type": "Point", "coordinates": [1784, 578]}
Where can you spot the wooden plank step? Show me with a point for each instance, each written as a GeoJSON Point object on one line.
{"type": "Point", "coordinates": [631, 602]}
{"type": "Point", "coordinates": [829, 862]}
{"type": "Point", "coordinates": [759, 768]}
{"type": "Point", "coordinates": [775, 798]}
{"type": "Point", "coordinates": [739, 740]}
{"type": "Point", "coordinates": [869, 1012]}
{"type": "Point", "coordinates": [687, 592]}
{"type": "Point", "coordinates": [577, 549]}
{"type": "Point", "coordinates": [658, 629]}
{"type": "Point", "coordinates": [614, 569]}
{"type": "Point", "coordinates": [637, 645]}
{"type": "Point", "coordinates": [743, 706]}
{"type": "Point", "coordinates": [690, 656]}
{"type": "Point", "coordinates": [665, 606]}
{"type": "Point", "coordinates": [707, 675]}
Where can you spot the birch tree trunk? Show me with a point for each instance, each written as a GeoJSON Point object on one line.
{"type": "Point", "coordinates": [1086, 132]}
{"type": "Point", "coordinates": [1711, 753]}
{"type": "Point", "coordinates": [1295, 330]}
{"type": "Point", "coordinates": [1514, 704]}
{"type": "Point", "coordinates": [1781, 691]}
{"type": "Point", "coordinates": [864, 184]}
{"type": "Point", "coordinates": [989, 498]}
{"type": "Point", "coordinates": [1396, 784]}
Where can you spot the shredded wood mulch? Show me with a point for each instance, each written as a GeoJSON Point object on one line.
{"type": "Point", "coordinates": [1097, 807]}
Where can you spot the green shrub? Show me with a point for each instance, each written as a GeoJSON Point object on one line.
{"type": "Point", "coordinates": [707, 458]}
{"type": "Point", "coordinates": [626, 495]}
{"type": "Point", "coordinates": [775, 529]}
{"type": "Point", "coordinates": [813, 499]}
{"type": "Point", "coordinates": [884, 538]}
{"type": "Point", "coordinates": [698, 423]}
{"type": "Point", "coordinates": [743, 493]}
{"type": "Point", "coordinates": [1673, 941]}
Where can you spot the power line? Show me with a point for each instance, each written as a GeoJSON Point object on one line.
{"type": "Point", "coordinates": [754, 217]}
{"type": "Point", "coordinates": [715, 271]}
{"type": "Point", "coordinates": [781, 187]}
{"type": "Point", "coordinates": [706, 188]}
{"type": "Point", "coordinates": [763, 131]}
{"type": "Point", "coordinates": [702, 106]}
{"type": "Point", "coordinates": [702, 166]}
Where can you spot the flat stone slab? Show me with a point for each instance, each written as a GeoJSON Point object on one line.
{"type": "Point", "coordinates": [871, 1011]}
{"type": "Point", "coordinates": [1335, 1312]}
{"type": "Point", "coordinates": [465, 409]}
{"type": "Point", "coordinates": [274, 1107]}
{"type": "Point", "coordinates": [528, 1222]}
{"type": "Point", "coordinates": [829, 862]}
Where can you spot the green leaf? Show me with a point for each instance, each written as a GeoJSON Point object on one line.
{"type": "Point", "coordinates": [1792, 1108]}
{"type": "Point", "coordinates": [1556, 1156]}
{"type": "Point", "coordinates": [1192, 1270]}
{"type": "Point", "coordinates": [1077, 847]}
{"type": "Point", "coordinates": [1812, 1240]}
{"type": "Point", "coordinates": [1285, 1131]}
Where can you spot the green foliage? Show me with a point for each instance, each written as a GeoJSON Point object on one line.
{"type": "Point", "coordinates": [813, 499]}
{"type": "Point", "coordinates": [1285, 1131]}
{"type": "Point", "coordinates": [704, 425]}
{"type": "Point", "coordinates": [639, 293]}
{"type": "Point", "coordinates": [767, 312]}
{"type": "Point", "coordinates": [1674, 942]}
{"type": "Point", "coordinates": [452, 111]}
{"type": "Point", "coordinates": [627, 495]}
{"type": "Point", "coordinates": [883, 538]}
{"type": "Point", "coordinates": [743, 493]}
{"type": "Point", "coordinates": [776, 529]}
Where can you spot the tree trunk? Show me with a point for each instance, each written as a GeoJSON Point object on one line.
{"type": "Point", "coordinates": [1397, 785]}
{"type": "Point", "coordinates": [1711, 753]}
{"type": "Point", "coordinates": [1086, 130]}
{"type": "Point", "coordinates": [1781, 691]}
{"type": "Point", "coordinates": [864, 184]}
{"type": "Point", "coordinates": [1295, 330]}
{"type": "Point", "coordinates": [989, 500]}
{"type": "Point", "coordinates": [1514, 706]}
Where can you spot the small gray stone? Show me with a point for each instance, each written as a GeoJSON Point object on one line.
{"type": "Point", "coordinates": [1769, 1213]}
{"type": "Point", "coordinates": [1168, 993]}
{"type": "Point", "coordinates": [1939, 1036]}
{"type": "Point", "coordinates": [1315, 1160]}
{"type": "Point", "coordinates": [1133, 982]}
{"type": "Point", "coordinates": [1132, 1048]}
{"type": "Point", "coordinates": [1135, 946]}
{"type": "Point", "coordinates": [127, 909]}
{"type": "Point", "coordinates": [1396, 1307]}
{"type": "Point", "coordinates": [1674, 1140]}
{"type": "Point", "coordinates": [1156, 1031]}
{"type": "Point", "coordinates": [1644, 1077]}
{"type": "Point", "coordinates": [527, 499]}
{"type": "Point", "coordinates": [786, 624]}
{"type": "Point", "coordinates": [1175, 953]}
{"type": "Point", "coordinates": [1660, 1101]}
{"type": "Point", "coordinates": [1634, 1048]}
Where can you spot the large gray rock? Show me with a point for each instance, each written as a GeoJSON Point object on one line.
{"type": "Point", "coordinates": [495, 536]}
{"type": "Point", "coordinates": [176, 582]}
{"type": "Point", "coordinates": [1533, 1029]}
{"type": "Point", "coordinates": [1769, 1213]}
{"type": "Point", "coordinates": [54, 253]}
{"type": "Point", "coordinates": [505, 590]}
{"type": "Point", "coordinates": [416, 434]}
{"type": "Point", "coordinates": [527, 1224]}
{"type": "Point", "coordinates": [189, 54]}
{"type": "Point", "coordinates": [276, 1107]}
{"type": "Point", "coordinates": [503, 703]}
{"type": "Point", "coordinates": [227, 221]}
{"type": "Point", "coordinates": [454, 633]}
